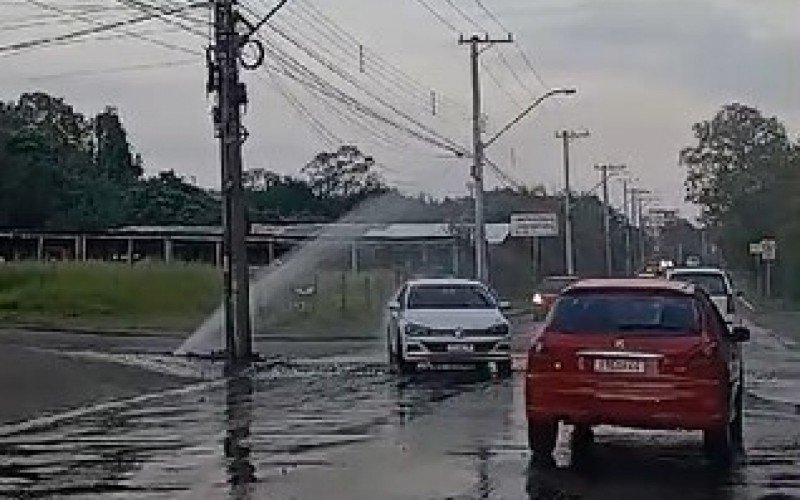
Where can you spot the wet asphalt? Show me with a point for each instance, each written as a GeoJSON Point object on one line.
{"type": "Point", "coordinates": [326, 420]}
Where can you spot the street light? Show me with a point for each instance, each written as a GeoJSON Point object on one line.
{"type": "Point", "coordinates": [534, 104]}
{"type": "Point", "coordinates": [480, 146]}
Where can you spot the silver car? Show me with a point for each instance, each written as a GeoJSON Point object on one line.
{"type": "Point", "coordinates": [447, 321]}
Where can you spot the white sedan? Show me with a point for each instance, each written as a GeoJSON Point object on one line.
{"type": "Point", "coordinates": [716, 283]}
{"type": "Point", "coordinates": [448, 321]}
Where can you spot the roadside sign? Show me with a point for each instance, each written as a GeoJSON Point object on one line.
{"type": "Point", "coordinates": [768, 249]}
{"type": "Point", "coordinates": [755, 248]}
{"type": "Point", "coordinates": [536, 225]}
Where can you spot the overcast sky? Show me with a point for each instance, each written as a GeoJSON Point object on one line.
{"type": "Point", "coordinates": [645, 70]}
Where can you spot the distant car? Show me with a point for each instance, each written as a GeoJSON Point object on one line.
{"type": "Point", "coordinates": [547, 292]}
{"type": "Point", "coordinates": [715, 282]}
{"type": "Point", "coordinates": [693, 261]}
{"type": "Point", "coordinates": [641, 353]}
{"type": "Point", "coordinates": [453, 321]}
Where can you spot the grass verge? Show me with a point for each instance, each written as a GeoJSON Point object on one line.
{"type": "Point", "coordinates": [98, 295]}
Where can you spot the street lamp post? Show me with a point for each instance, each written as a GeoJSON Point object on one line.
{"type": "Point", "coordinates": [481, 269]}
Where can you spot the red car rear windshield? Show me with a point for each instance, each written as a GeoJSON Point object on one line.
{"type": "Point", "coordinates": [625, 312]}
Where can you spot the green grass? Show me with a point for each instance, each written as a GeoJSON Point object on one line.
{"type": "Point", "coordinates": [106, 295]}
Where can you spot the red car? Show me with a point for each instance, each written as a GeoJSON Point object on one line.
{"type": "Point", "coordinates": [645, 353]}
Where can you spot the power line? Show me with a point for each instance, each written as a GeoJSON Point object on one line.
{"type": "Point", "coordinates": [99, 27]}
{"type": "Point", "coordinates": [495, 80]}
{"type": "Point", "coordinates": [438, 16]}
{"type": "Point", "coordinates": [317, 83]}
{"type": "Point", "coordinates": [397, 77]}
{"type": "Point", "coordinates": [118, 69]}
{"type": "Point", "coordinates": [164, 13]}
{"type": "Point", "coordinates": [522, 53]}
{"type": "Point", "coordinates": [444, 141]}
{"type": "Point", "coordinates": [381, 79]}
{"type": "Point", "coordinates": [464, 15]}
{"type": "Point", "coordinates": [328, 137]}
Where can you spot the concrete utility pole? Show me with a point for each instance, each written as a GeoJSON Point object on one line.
{"type": "Point", "coordinates": [481, 270]}
{"type": "Point", "coordinates": [636, 221]}
{"type": "Point", "coordinates": [626, 198]}
{"type": "Point", "coordinates": [643, 221]}
{"type": "Point", "coordinates": [223, 60]}
{"type": "Point", "coordinates": [569, 255]}
{"type": "Point", "coordinates": [626, 228]}
{"type": "Point", "coordinates": [604, 170]}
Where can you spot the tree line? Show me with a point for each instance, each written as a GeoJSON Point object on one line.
{"type": "Point", "coordinates": [743, 171]}
{"type": "Point", "coordinates": [63, 170]}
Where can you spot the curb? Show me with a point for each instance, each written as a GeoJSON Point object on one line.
{"type": "Point", "coordinates": [116, 332]}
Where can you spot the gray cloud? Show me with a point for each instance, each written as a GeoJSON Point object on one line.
{"type": "Point", "coordinates": [645, 69]}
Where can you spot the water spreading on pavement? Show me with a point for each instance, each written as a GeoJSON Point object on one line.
{"type": "Point", "coordinates": [275, 280]}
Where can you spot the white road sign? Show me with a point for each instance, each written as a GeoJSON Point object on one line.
{"type": "Point", "coordinates": [536, 225]}
{"type": "Point", "coordinates": [755, 248]}
{"type": "Point", "coordinates": [768, 249]}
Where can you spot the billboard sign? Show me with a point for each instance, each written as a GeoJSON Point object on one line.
{"type": "Point", "coordinates": [534, 225]}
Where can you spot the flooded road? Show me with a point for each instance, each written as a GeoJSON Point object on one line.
{"type": "Point", "coordinates": [327, 420]}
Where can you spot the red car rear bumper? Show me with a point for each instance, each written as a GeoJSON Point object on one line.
{"type": "Point", "coordinates": [652, 404]}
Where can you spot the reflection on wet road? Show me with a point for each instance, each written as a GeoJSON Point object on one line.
{"type": "Point", "coordinates": [345, 428]}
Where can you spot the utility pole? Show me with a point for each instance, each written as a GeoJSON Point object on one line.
{"type": "Point", "coordinates": [628, 263]}
{"type": "Point", "coordinates": [475, 42]}
{"type": "Point", "coordinates": [223, 59]}
{"type": "Point", "coordinates": [569, 255]}
{"type": "Point", "coordinates": [642, 232]}
{"type": "Point", "coordinates": [637, 253]}
{"type": "Point", "coordinates": [604, 173]}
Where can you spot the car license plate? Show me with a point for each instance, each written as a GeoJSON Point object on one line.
{"type": "Point", "coordinates": [460, 348]}
{"type": "Point", "coordinates": [616, 365]}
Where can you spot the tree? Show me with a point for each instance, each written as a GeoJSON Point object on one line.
{"type": "Point", "coordinates": [345, 175]}
{"type": "Point", "coordinates": [168, 199]}
{"type": "Point", "coordinates": [29, 181]}
{"type": "Point", "coordinates": [271, 197]}
{"type": "Point", "coordinates": [112, 153]}
{"type": "Point", "coordinates": [737, 160]}
{"type": "Point", "coordinates": [738, 173]}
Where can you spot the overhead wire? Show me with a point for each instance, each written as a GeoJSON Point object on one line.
{"type": "Point", "coordinates": [522, 53]}
{"type": "Point", "coordinates": [442, 140]}
{"type": "Point", "coordinates": [99, 27]}
{"type": "Point", "coordinates": [464, 15]}
{"type": "Point", "coordinates": [452, 27]}
{"type": "Point", "coordinates": [384, 137]}
{"type": "Point", "coordinates": [118, 69]}
{"type": "Point", "coordinates": [305, 76]}
{"type": "Point", "coordinates": [439, 17]}
{"type": "Point", "coordinates": [166, 14]}
{"type": "Point", "coordinates": [501, 174]}
{"type": "Point", "coordinates": [150, 11]}
{"type": "Point", "coordinates": [378, 78]}
{"type": "Point", "coordinates": [398, 77]}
